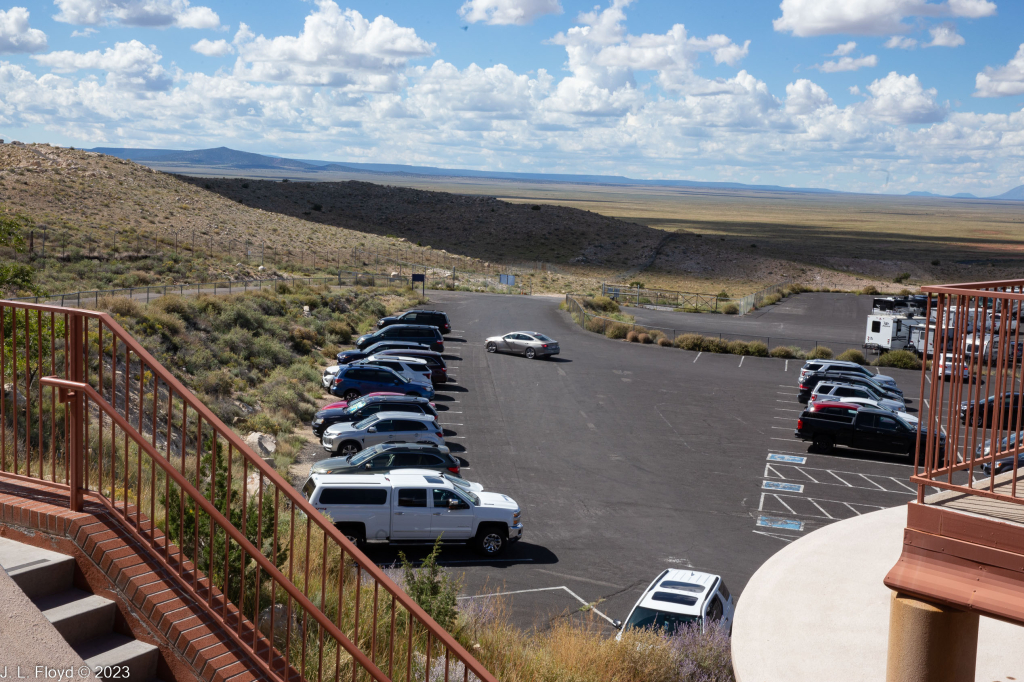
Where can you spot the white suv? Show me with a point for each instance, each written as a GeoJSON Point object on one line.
{"type": "Point", "coordinates": [347, 438]}
{"type": "Point", "coordinates": [844, 366]}
{"type": "Point", "coordinates": [415, 370]}
{"type": "Point", "coordinates": [679, 597]}
{"type": "Point", "coordinates": [828, 391]}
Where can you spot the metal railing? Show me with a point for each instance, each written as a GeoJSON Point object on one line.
{"type": "Point", "coordinates": [974, 409]}
{"type": "Point", "coordinates": [86, 409]}
{"type": "Point", "coordinates": [661, 298]}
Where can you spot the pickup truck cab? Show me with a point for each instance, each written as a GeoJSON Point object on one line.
{"type": "Point", "coordinates": [679, 598]}
{"type": "Point", "coordinates": [862, 428]}
{"type": "Point", "coordinates": [415, 509]}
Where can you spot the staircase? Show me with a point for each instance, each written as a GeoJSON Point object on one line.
{"type": "Point", "coordinates": [84, 620]}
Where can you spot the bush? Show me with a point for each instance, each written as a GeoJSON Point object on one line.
{"type": "Point", "coordinates": [758, 349]}
{"type": "Point", "coordinates": [690, 342]}
{"type": "Point", "coordinates": [303, 340]}
{"type": "Point", "coordinates": [820, 353]}
{"type": "Point", "coordinates": [900, 359]}
{"type": "Point", "coordinates": [852, 355]}
{"type": "Point", "coordinates": [715, 345]}
{"type": "Point", "coordinates": [602, 304]}
{"type": "Point", "coordinates": [901, 278]}
{"type": "Point", "coordinates": [787, 352]}
{"type": "Point", "coordinates": [645, 338]}
{"type": "Point", "coordinates": [656, 334]}
{"type": "Point", "coordinates": [663, 341]}
{"type": "Point", "coordinates": [738, 347]}
{"type": "Point", "coordinates": [119, 305]}
{"type": "Point", "coordinates": [869, 290]}
{"type": "Point", "coordinates": [617, 330]}
{"type": "Point", "coordinates": [633, 337]}
{"type": "Point", "coordinates": [771, 299]}
{"type": "Point", "coordinates": [432, 587]}
{"type": "Point", "coordinates": [598, 325]}
{"type": "Point", "coordinates": [731, 309]}
{"type": "Point", "coordinates": [342, 331]}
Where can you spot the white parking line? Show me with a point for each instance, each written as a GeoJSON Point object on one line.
{"type": "Point", "coordinates": [544, 589]}
{"type": "Point", "coordinates": [794, 395]}
{"type": "Point", "coordinates": [786, 409]}
{"type": "Point", "coordinates": [450, 424]}
{"type": "Point", "coordinates": [741, 361]}
{"type": "Point", "coordinates": [698, 356]}
{"type": "Point", "coordinates": [787, 366]}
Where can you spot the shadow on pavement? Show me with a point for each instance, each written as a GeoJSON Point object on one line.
{"type": "Point", "coordinates": [458, 555]}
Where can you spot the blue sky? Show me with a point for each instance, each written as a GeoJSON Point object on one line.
{"type": "Point", "coordinates": [861, 95]}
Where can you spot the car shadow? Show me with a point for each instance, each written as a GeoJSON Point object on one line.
{"type": "Point", "coordinates": [449, 432]}
{"type": "Point", "coordinates": [455, 447]}
{"type": "Point", "coordinates": [456, 339]}
{"type": "Point", "coordinates": [457, 358]}
{"type": "Point", "coordinates": [863, 455]}
{"type": "Point", "coordinates": [557, 359]}
{"type": "Point", "coordinates": [454, 388]}
{"type": "Point", "coordinates": [442, 398]}
{"type": "Point", "coordinates": [463, 462]}
{"type": "Point", "coordinates": [459, 555]}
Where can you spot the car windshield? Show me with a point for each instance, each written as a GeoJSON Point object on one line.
{"type": "Point", "coordinates": [372, 419]}
{"type": "Point", "coordinates": [361, 458]}
{"type": "Point", "coordinates": [660, 620]}
{"type": "Point", "coordinates": [355, 405]}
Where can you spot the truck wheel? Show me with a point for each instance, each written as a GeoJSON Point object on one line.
{"type": "Point", "coordinates": [349, 447]}
{"type": "Point", "coordinates": [491, 540]}
{"type": "Point", "coordinates": [823, 444]}
{"type": "Point", "coordinates": [355, 532]}
{"type": "Point", "coordinates": [351, 394]}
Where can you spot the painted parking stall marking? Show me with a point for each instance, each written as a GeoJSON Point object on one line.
{"type": "Point", "coordinates": [776, 522]}
{"type": "Point", "coordinates": [788, 487]}
{"type": "Point", "coordinates": [813, 507]}
{"type": "Point", "coordinates": [793, 459]}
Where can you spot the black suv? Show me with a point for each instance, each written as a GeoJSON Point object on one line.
{"type": "Point", "coordinates": [431, 318]}
{"type": "Point", "coordinates": [367, 405]}
{"type": "Point", "coordinates": [811, 381]}
{"type": "Point", "coordinates": [430, 336]}
{"type": "Point", "coordinates": [380, 459]}
{"type": "Point", "coordinates": [347, 356]}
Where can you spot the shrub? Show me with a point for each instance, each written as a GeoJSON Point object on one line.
{"type": "Point", "coordinates": [722, 295]}
{"type": "Point", "coordinates": [598, 325]}
{"type": "Point", "coordinates": [738, 347]}
{"type": "Point", "coordinates": [900, 359]}
{"type": "Point", "coordinates": [758, 349]}
{"type": "Point", "coordinates": [771, 299]}
{"type": "Point", "coordinates": [432, 587]}
{"type": "Point", "coordinates": [869, 290]}
{"type": "Point", "coordinates": [119, 305]}
{"type": "Point", "coordinates": [644, 338]}
{"type": "Point", "coordinates": [616, 330]}
{"type": "Point", "coordinates": [342, 331]}
{"type": "Point", "coordinates": [601, 303]}
{"type": "Point", "coordinates": [852, 355]}
{"type": "Point", "coordinates": [633, 337]}
{"type": "Point", "coordinates": [820, 353]}
{"type": "Point", "coordinates": [797, 288]}
{"type": "Point", "coordinates": [690, 342]}
{"type": "Point", "coordinates": [787, 352]}
{"type": "Point", "coordinates": [715, 345]}
{"type": "Point", "coordinates": [663, 341]}
{"type": "Point", "coordinates": [303, 340]}
{"type": "Point", "coordinates": [901, 278]}
{"type": "Point", "coordinates": [731, 309]}
{"type": "Point", "coordinates": [219, 383]}
{"type": "Point", "coordinates": [656, 335]}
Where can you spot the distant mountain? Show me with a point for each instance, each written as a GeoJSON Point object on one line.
{"type": "Point", "coordinates": [923, 194]}
{"type": "Point", "coordinates": [1015, 194]}
{"type": "Point", "coordinates": [958, 195]}
{"type": "Point", "coordinates": [964, 195]}
{"type": "Point", "coordinates": [223, 157]}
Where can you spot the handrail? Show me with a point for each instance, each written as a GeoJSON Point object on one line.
{"type": "Point", "coordinates": [219, 518]}
{"type": "Point", "coordinates": [104, 365]}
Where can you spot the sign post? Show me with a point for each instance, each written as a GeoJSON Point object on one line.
{"type": "Point", "coordinates": [421, 278]}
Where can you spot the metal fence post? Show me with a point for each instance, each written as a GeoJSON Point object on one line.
{"type": "Point", "coordinates": [76, 459]}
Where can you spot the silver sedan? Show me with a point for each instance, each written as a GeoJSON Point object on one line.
{"type": "Point", "coordinates": [530, 344]}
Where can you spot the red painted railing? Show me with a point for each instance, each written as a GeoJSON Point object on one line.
{"type": "Point", "coordinates": [86, 409]}
{"type": "Point", "coordinates": [975, 344]}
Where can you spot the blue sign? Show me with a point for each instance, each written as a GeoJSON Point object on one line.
{"type": "Point", "coordinates": [419, 278]}
{"type": "Point", "coordinates": [788, 487]}
{"type": "Point", "coordinates": [787, 458]}
{"type": "Point", "coordinates": [507, 279]}
{"type": "Point", "coordinates": [775, 522]}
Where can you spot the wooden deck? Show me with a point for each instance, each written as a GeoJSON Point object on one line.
{"type": "Point", "coordinates": [1002, 510]}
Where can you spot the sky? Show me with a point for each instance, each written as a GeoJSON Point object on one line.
{"type": "Point", "coordinates": [883, 96]}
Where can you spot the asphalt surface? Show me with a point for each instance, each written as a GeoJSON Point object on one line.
{"type": "Point", "coordinates": [629, 459]}
{"type": "Point", "coordinates": [836, 319]}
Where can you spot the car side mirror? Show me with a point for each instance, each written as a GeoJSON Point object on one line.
{"type": "Point", "coordinates": [454, 504]}
{"type": "Point", "coordinates": [369, 465]}
{"type": "Point", "coordinates": [372, 429]}
{"type": "Point", "coordinates": [617, 624]}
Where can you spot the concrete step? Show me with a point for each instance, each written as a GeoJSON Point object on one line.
{"type": "Point", "coordinates": [77, 615]}
{"type": "Point", "coordinates": [123, 655]}
{"type": "Point", "coordinates": [38, 572]}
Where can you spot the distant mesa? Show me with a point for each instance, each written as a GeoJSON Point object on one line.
{"type": "Point", "coordinates": [964, 195]}
{"type": "Point", "coordinates": [1015, 194]}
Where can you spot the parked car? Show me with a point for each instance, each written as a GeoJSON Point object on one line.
{"type": "Point", "coordinates": [328, 376]}
{"type": "Point", "coordinates": [415, 370]}
{"type": "Point", "coordinates": [344, 403]}
{"type": "Point", "coordinates": [679, 598]}
{"type": "Point", "coordinates": [431, 318]}
{"type": "Point", "coordinates": [363, 407]}
{"type": "Point", "coordinates": [867, 402]}
{"type": "Point", "coordinates": [965, 373]}
{"type": "Point", "coordinates": [812, 366]}
{"type": "Point", "coordinates": [412, 508]}
{"type": "Point", "coordinates": [347, 356]}
{"type": "Point", "coordinates": [1006, 443]}
{"type": "Point", "coordinates": [530, 344]}
{"type": "Point", "coordinates": [348, 438]}
{"type": "Point", "coordinates": [812, 379]}
{"type": "Point", "coordinates": [862, 428]}
{"type": "Point", "coordinates": [436, 361]}
{"type": "Point", "coordinates": [353, 381]}
{"type": "Point", "coordinates": [986, 410]}
{"type": "Point", "coordinates": [834, 390]}
{"type": "Point", "coordinates": [429, 336]}
{"type": "Point", "coordinates": [1003, 464]}
{"type": "Point", "coordinates": [385, 457]}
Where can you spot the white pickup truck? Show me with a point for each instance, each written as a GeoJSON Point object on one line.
{"type": "Point", "coordinates": [404, 508]}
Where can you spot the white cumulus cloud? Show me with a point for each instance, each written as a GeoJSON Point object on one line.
{"type": "Point", "coordinates": [901, 100]}
{"type": "Point", "coordinates": [336, 48]}
{"type": "Point", "coordinates": [804, 97]}
{"type": "Point", "coordinates": [148, 13]}
{"type": "Point", "coordinates": [1003, 81]}
{"type": "Point", "coordinates": [844, 49]}
{"type": "Point", "coordinates": [131, 63]}
{"type": "Point", "coordinates": [517, 12]}
{"type": "Point", "coordinates": [848, 64]}
{"type": "Point", "coordinates": [16, 35]}
{"type": "Point", "coordinates": [869, 17]}
{"type": "Point", "coordinates": [212, 48]}
{"type": "Point", "coordinates": [945, 35]}
{"type": "Point", "coordinates": [901, 42]}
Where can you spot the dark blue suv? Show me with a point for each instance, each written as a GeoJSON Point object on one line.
{"type": "Point", "coordinates": [428, 336]}
{"type": "Point", "coordinates": [353, 381]}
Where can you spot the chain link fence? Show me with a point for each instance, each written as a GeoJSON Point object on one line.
{"type": "Point", "coordinates": [661, 298]}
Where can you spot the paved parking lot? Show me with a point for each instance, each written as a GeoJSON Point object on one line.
{"type": "Point", "coordinates": [629, 459]}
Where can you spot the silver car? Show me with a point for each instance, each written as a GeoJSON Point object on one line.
{"type": "Point", "coordinates": [530, 344]}
{"type": "Point", "coordinates": [347, 438]}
